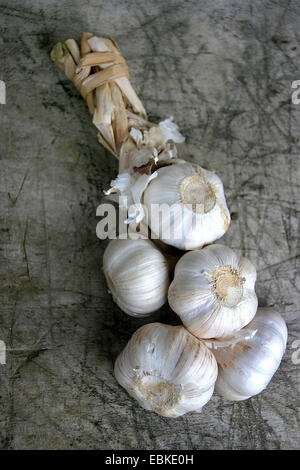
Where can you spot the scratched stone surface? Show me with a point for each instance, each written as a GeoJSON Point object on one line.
{"type": "Point", "coordinates": [224, 71]}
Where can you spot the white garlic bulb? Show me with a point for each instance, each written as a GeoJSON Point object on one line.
{"type": "Point", "coordinates": [213, 291]}
{"type": "Point", "coordinates": [137, 275]}
{"type": "Point", "coordinates": [167, 370]}
{"type": "Point", "coordinates": [247, 368]}
{"type": "Point", "coordinates": [195, 196]}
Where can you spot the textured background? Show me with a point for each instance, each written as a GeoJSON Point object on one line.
{"type": "Point", "coordinates": [224, 69]}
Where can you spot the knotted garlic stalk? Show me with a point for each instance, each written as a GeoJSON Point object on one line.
{"type": "Point", "coordinates": [246, 368]}
{"type": "Point", "coordinates": [137, 275]}
{"type": "Point", "coordinates": [167, 370]}
{"type": "Point", "coordinates": [99, 72]}
{"type": "Point", "coordinates": [213, 291]}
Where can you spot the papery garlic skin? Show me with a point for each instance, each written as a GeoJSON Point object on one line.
{"type": "Point", "coordinates": [137, 275]}
{"type": "Point", "coordinates": [213, 291]}
{"type": "Point", "coordinates": [247, 368]}
{"type": "Point", "coordinates": [167, 370]}
{"type": "Point", "coordinates": [128, 188]}
{"type": "Point", "coordinates": [201, 215]}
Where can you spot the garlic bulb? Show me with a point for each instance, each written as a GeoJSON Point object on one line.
{"type": "Point", "coordinates": [137, 275]}
{"type": "Point", "coordinates": [213, 291]}
{"type": "Point", "coordinates": [167, 370]}
{"type": "Point", "coordinates": [195, 196]}
{"type": "Point", "coordinates": [247, 368]}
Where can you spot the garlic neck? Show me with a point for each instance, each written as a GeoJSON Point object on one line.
{"type": "Point", "coordinates": [158, 393]}
{"type": "Point", "coordinates": [197, 193]}
{"type": "Point", "coordinates": [228, 285]}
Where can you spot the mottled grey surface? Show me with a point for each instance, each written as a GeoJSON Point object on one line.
{"type": "Point", "coordinates": [224, 69]}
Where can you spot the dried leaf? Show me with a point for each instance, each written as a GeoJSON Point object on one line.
{"type": "Point", "coordinates": [119, 123]}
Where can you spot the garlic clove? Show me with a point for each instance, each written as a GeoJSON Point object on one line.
{"type": "Point", "coordinates": [213, 291]}
{"type": "Point", "coordinates": [167, 370]}
{"type": "Point", "coordinates": [137, 275]}
{"type": "Point", "coordinates": [247, 368]}
{"type": "Point", "coordinates": [200, 216]}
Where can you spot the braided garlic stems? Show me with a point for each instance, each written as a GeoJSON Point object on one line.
{"type": "Point", "coordinates": [99, 72]}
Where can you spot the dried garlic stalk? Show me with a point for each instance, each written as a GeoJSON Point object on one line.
{"type": "Point", "coordinates": [99, 72]}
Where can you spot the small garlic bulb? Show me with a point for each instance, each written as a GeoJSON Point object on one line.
{"type": "Point", "coordinates": [213, 291]}
{"type": "Point", "coordinates": [247, 368]}
{"type": "Point", "coordinates": [137, 275]}
{"type": "Point", "coordinates": [199, 213]}
{"type": "Point", "coordinates": [167, 370]}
